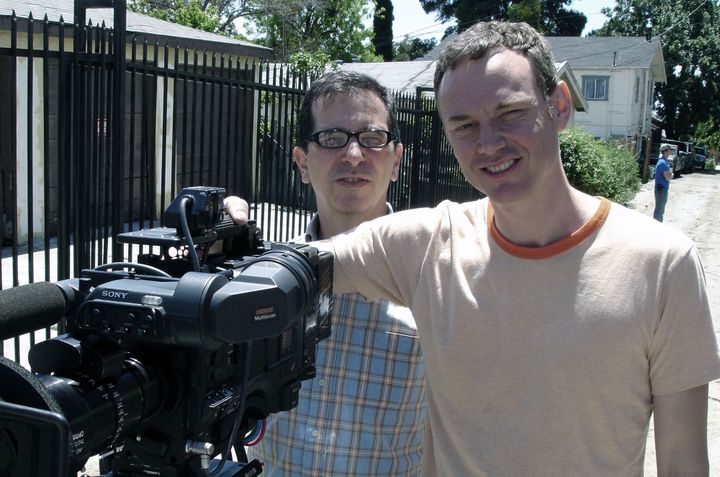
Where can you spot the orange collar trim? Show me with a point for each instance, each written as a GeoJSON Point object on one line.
{"type": "Point", "coordinates": [555, 248]}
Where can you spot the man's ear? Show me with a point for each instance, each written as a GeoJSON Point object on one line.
{"type": "Point", "coordinates": [562, 109]}
{"type": "Point", "coordinates": [398, 157]}
{"type": "Point", "coordinates": [300, 158]}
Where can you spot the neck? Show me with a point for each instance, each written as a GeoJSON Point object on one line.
{"type": "Point", "coordinates": [538, 223]}
{"type": "Point", "coordinates": [333, 223]}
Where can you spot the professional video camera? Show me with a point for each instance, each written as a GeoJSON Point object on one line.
{"type": "Point", "coordinates": [167, 363]}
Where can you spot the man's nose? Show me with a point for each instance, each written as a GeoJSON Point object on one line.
{"type": "Point", "coordinates": [353, 152]}
{"type": "Point", "coordinates": [489, 139]}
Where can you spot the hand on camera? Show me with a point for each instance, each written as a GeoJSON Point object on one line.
{"type": "Point", "coordinates": [237, 208]}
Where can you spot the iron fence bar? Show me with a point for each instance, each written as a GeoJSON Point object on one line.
{"type": "Point", "coordinates": [194, 119]}
{"type": "Point", "coordinates": [184, 165]}
{"type": "Point", "coordinates": [211, 163]}
{"type": "Point", "coordinates": [144, 125]}
{"type": "Point", "coordinates": [260, 166]}
{"type": "Point", "coordinates": [64, 166]}
{"type": "Point", "coordinates": [275, 174]}
{"type": "Point", "coordinates": [203, 121]}
{"type": "Point", "coordinates": [29, 159]}
{"type": "Point", "coordinates": [13, 166]}
{"type": "Point", "coordinates": [173, 138]}
{"type": "Point", "coordinates": [92, 185]}
{"type": "Point", "coordinates": [234, 140]}
{"type": "Point", "coordinates": [118, 137]}
{"type": "Point", "coordinates": [230, 158]}
{"type": "Point", "coordinates": [106, 153]}
{"type": "Point", "coordinates": [163, 146]}
{"type": "Point", "coordinates": [46, 143]}
{"type": "Point", "coordinates": [241, 126]}
{"type": "Point", "coordinates": [130, 216]}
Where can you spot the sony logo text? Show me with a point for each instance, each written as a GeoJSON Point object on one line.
{"type": "Point", "coordinates": [114, 294]}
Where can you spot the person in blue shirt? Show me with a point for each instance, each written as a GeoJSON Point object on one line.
{"type": "Point", "coordinates": [663, 174]}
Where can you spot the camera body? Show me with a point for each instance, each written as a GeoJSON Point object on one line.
{"type": "Point", "coordinates": [169, 362]}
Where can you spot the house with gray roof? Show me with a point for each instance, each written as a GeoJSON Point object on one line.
{"type": "Point", "coordinates": [617, 76]}
{"type": "Point", "coordinates": [144, 27]}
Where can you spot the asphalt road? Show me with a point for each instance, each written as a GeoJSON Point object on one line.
{"type": "Point", "coordinates": [694, 207]}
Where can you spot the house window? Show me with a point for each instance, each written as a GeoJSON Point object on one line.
{"type": "Point", "coordinates": [595, 88]}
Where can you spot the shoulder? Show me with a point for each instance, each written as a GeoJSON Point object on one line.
{"type": "Point", "coordinates": [633, 230]}
{"type": "Point", "coordinates": [428, 219]}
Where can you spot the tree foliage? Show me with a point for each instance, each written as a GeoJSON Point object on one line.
{"type": "Point", "coordinates": [690, 35]}
{"type": "Point", "coordinates": [412, 48]}
{"type": "Point", "coordinates": [551, 17]}
{"type": "Point", "coordinates": [383, 29]}
{"type": "Point", "coordinates": [708, 133]}
{"type": "Point", "coordinates": [332, 27]}
{"type": "Point", "coordinates": [216, 16]}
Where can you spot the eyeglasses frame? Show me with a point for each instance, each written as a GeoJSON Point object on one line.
{"type": "Point", "coordinates": [314, 137]}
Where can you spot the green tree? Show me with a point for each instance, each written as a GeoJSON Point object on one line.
{"type": "Point", "coordinates": [410, 49]}
{"type": "Point", "coordinates": [332, 27]}
{"type": "Point", "coordinates": [383, 29]}
{"type": "Point", "coordinates": [216, 16]}
{"type": "Point", "coordinates": [708, 133]}
{"type": "Point", "coordinates": [690, 35]}
{"type": "Point", "coordinates": [551, 17]}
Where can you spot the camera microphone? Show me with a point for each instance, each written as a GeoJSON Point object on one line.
{"type": "Point", "coordinates": [27, 308]}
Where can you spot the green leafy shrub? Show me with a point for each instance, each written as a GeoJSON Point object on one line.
{"type": "Point", "coordinates": [601, 168]}
{"type": "Point", "coordinates": [710, 164]}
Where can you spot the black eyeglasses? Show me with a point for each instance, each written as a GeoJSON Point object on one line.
{"type": "Point", "coordinates": [337, 138]}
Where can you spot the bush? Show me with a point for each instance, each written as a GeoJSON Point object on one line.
{"type": "Point", "coordinates": [600, 168]}
{"type": "Point", "coordinates": [710, 164]}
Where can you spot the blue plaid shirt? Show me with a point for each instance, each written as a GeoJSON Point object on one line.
{"type": "Point", "coordinates": [364, 412]}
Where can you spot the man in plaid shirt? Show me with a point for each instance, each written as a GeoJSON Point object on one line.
{"type": "Point", "coordinates": [364, 412]}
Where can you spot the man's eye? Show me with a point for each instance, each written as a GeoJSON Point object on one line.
{"type": "Point", "coordinates": [373, 138]}
{"type": "Point", "coordinates": [464, 129]}
{"type": "Point", "coordinates": [332, 139]}
{"type": "Point", "coordinates": [513, 115]}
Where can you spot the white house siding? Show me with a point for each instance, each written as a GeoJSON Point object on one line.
{"type": "Point", "coordinates": [616, 117]}
{"type": "Point", "coordinates": [642, 108]}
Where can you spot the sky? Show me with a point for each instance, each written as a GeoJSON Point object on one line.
{"type": "Point", "coordinates": [411, 19]}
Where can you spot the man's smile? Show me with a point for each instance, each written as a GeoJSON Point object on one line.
{"type": "Point", "coordinates": [503, 166]}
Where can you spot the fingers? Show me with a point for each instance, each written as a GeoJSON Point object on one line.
{"type": "Point", "coordinates": [237, 208]}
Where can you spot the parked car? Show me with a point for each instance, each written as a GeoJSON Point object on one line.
{"type": "Point", "coordinates": [686, 153]}
{"type": "Point", "coordinates": [700, 157]}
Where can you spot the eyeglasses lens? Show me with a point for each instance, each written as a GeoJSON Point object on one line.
{"type": "Point", "coordinates": [336, 139]}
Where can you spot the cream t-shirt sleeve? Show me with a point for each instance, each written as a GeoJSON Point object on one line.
{"type": "Point", "coordinates": [684, 327]}
{"type": "Point", "coordinates": [383, 258]}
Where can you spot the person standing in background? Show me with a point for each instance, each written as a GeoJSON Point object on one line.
{"type": "Point", "coordinates": [663, 174]}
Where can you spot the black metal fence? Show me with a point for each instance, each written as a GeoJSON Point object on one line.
{"type": "Point", "coordinates": [69, 184]}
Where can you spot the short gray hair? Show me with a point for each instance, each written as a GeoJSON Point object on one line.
{"type": "Point", "coordinates": [486, 37]}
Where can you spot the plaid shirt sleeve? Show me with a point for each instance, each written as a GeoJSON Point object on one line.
{"type": "Point", "coordinates": [364, 412]}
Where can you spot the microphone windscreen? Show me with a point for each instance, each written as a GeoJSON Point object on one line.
{"type": "Point", "coordinates": [30, 307]}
